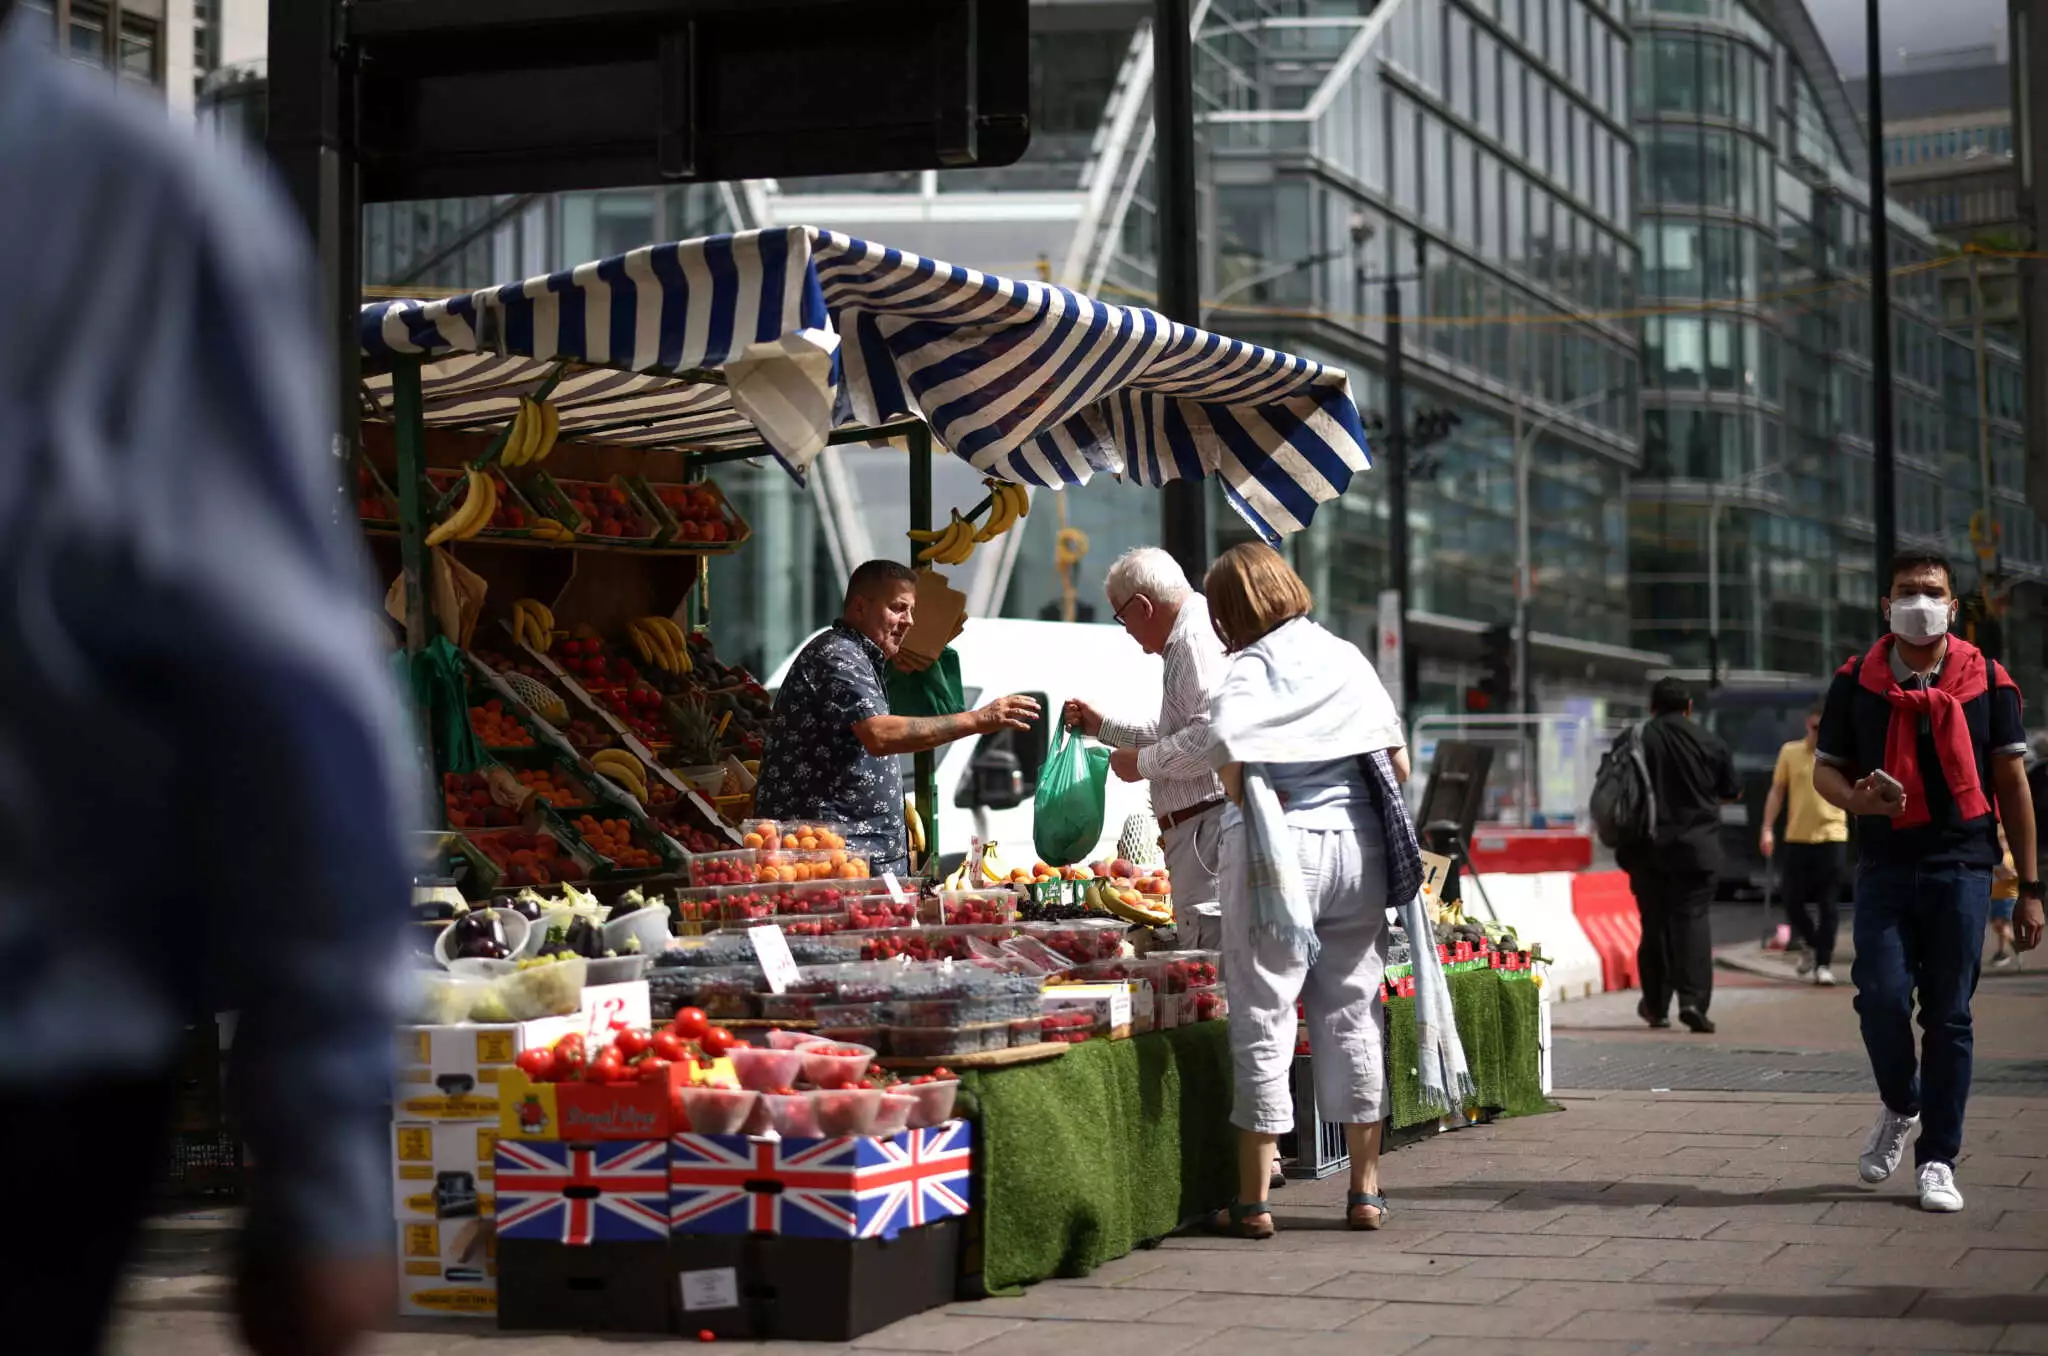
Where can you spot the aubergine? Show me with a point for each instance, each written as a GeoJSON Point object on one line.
{"type": "Point", "coordinates": [480, 935]}
{"type": "Point", "coordinates": [584, 938]}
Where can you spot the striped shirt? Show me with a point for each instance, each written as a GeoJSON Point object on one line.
{"type": "Point", "coordinates": [1172, 750]}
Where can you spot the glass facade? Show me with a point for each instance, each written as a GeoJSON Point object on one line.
{"type": "Point", "coordinates": [1754, 495]}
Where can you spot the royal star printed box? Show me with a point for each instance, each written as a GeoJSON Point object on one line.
{"type": "Point", "coordinates": [451, 1073]}
{"type": "Point", "coordinates": [851, 1186]}
{"type": "Point", "coordinates": [608, 1191]}
{"type": "Point", "coordinates": [447, 1267]}
{"type": "Point", "coordinates": [443, 1169]}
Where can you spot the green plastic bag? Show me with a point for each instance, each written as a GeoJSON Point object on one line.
{"type": "Point", "coordinates": [439, 678]}
{"type": "Point", "coordinates": [1067, 814]}
{"type": "Point", "coordinates": [932, 691]}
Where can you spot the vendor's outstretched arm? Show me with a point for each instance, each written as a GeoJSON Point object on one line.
{"type": "Point", "coordinates": [884, 736]}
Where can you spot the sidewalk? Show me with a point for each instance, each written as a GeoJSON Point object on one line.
{"type": "Point", "coordinates": [1628, 1223]}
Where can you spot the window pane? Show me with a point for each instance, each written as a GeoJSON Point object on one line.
{"type": "Point", "coordinates": [1489, 85]}
{"type": "Point", "coordinates": [88, 38]}
{"type": "Point", "coordinates": [1462, 224]}
{"type": "Point", "coordinates": [1435, 155]}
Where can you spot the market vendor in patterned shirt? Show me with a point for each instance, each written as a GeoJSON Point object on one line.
{"type": "Point", "coordinates": [832, 742]}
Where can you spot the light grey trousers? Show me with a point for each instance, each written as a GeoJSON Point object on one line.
{"type": "Point", "coordinates": [1345, 874]}
{"type": "Point", "coordinates": [1193, 852]}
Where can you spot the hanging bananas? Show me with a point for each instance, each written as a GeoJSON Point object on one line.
{"type": "Point", "coordinates": [951, 545]}
{"type": "Point", "coordinates": [661, 644]}
{"type": "Point", "coordinates": [623, 768]}
{"type": "Point", "coordinates": [534, 429]}
{"type": "Point", "coordinates": [913, 824]}
{"type": "Point", "coordinates": [534, 623]}
{"type": "Point", "coordinates": [468, 517]}
{"type": "Point", "coordinates": [1007, 504]}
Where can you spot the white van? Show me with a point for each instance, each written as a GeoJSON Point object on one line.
{"type": "Point", "coordinates": [986, 785]}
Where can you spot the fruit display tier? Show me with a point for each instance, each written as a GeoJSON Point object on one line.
{"type": "Point", "coordinates": [985, 1059]}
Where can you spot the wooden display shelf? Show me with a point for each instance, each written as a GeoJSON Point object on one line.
{"type": "Point", "coordinates": [982, 1059]}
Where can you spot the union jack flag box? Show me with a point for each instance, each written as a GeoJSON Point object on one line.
{"type": "Point", "coordinates": [851, 1186]}
{"type": "Point", "coordinates": [610, 1191]}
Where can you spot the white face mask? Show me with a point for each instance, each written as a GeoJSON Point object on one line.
{"type": "Point", "coordinates": [1919, 618]}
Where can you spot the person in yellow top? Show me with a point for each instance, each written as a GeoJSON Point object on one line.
{"type": "Point", "coordinates": [1816, 851]}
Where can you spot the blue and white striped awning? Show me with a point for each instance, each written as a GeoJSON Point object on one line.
{"type": "Point", "coordinates": [780, 336]}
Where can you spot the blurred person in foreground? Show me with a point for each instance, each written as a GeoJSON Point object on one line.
{"type": "Point", "coordinates": [832, 742]}
{"type": "Point", "coordinates": [1816, 850]}
{"type": "Point", "coordinates": [203, 761]}
{"type": "Point", "coordinates": [1921, 740]}
{"type": "Point", "coordinates": [1150, 597]}
{"type": "Point", "coordinates": [1672, 874]}
{"type": "Point", "coordinates": [1317, 845]}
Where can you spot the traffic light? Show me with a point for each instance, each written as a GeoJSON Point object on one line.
{"type": "Point", "coordinates": [1495, 694]}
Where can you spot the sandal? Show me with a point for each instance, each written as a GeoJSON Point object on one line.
{"type": "Point", "coordinates": [1253, 1221]}
{"type": "Point", "coordinates": [1357, 1203]}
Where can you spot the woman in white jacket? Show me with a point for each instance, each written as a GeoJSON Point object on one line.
{"type": "Point", "coordinates": [1316, 845]}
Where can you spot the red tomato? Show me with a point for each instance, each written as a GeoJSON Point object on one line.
{"type": "Point", "coordinates": [605, 1068]}
{"type": "Point", "coordinates": [537, 1064]}
{"type": "Point", "coordinates": [653, 1069]}
{"type": "Point", "coordinates": [717, 1041]}
{"type": "Point", "coordinates": [569, 1056]}
{"type": "Point", "coordinates": [630, 1044]}
{"type": "Point", "coordinates": [690, 1023]}
{"type": "Point", "coordinates": [669, 1046]}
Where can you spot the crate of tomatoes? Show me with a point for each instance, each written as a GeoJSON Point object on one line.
{"type": "Point", "coordinates": [702, 518]}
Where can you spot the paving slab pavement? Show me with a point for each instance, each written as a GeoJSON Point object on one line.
{"type": "Point", "coordinates": [1630, 1222]}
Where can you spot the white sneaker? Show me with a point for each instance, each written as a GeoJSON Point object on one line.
{"type": "Point", "coordinates": [1885, 1146]}
{"type": "Point", "coordinates": [1938, 1189]}
{"type": "Point", "coordinates": [1824, 977]}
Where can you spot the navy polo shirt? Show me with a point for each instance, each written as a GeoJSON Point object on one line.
{"type": "Point", "coordinates": [1853, 726]}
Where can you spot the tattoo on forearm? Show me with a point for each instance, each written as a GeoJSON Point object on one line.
{"type": "Point", "coordinates": [937, 729]}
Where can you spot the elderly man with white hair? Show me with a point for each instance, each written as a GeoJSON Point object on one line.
{"type": "Point", "coordinates": [1151, 598]}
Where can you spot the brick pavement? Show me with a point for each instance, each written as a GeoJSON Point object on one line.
{"type": "Point", "coordinates": [1630, 1223]}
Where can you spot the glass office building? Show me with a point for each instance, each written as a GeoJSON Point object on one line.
{"type": "Point", "coordinates": [1751, 540]}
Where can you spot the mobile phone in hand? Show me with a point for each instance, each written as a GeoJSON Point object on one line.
{"type": "Point", "coordinates": [1888, 787]}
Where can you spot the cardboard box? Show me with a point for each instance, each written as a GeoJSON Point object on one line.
{"type": "Point", "coordinates": [576, 1195]}
{"type": "Point", "coordinates": [447, 1267]}
{"type": "Point", "coordinates": [757, 1286]}
{"type": "Point", "coordinates": [451, 1073]}
{"type": "Point", "coordinates": [612, 1287]}
{"type": "Point", "coordinates": [443, 1169]}
{"type": "Point", "coordinates": [860, 1186]}
{"type": "Point", "coordinates": [593, 1111]}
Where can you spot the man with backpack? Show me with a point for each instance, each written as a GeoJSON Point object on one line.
{"type": "Point", "coordinates": [1672, 853]}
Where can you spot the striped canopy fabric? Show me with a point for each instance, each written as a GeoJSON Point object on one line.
{"type": "Point", "coordinates": [780, 336]}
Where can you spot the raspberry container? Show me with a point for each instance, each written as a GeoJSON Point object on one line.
{"type": "Point", "coordinates": [760, 1070]}
{"type": "Point", "coordinates": [967, 908]}
{"type": "Point", "coordinates": [737, 867]}
{"type": "Point", "coordinates": [934, 1100]}
{"type": "Point", "coordinates": [836, 1065]}
{"type": "Point", "coordinates": [791, 1115]}
{"type": "Point", "coordinates": [845, 1111]}
{"type": "Point", "coordinates": [894, 1116]}
{"type": "Point", "coordinates": [1081, 940]}
{"type": "Point", "coordinates": [1188, 969]}
{"type": "Point", "coordinates": [717, 1111]}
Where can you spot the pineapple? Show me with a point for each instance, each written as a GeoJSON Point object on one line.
{"type": "Point", "coordinates": [696, 731]}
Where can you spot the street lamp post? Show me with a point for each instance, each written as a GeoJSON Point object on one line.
{"type": "Point", "coordinates": [1525, 584]}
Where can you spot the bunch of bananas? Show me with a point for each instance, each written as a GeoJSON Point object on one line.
{"type": "Point", "coordinates": [661, 643]}
{"type": "Point", "coordinates": [1007, 504]}
{"type": "Point", "coordinates": [950, 545]}
{"type": "Point", "coordinates": [469, 517]}
{"type": "Point", "coordinates": [534, 430]}
{"type": "Point", "coordinates": [623, 768]}
{"type": "Point", "coordinates": [993, 872]}
{"type": "Point", "coordinates": [534, 624]}
{"type": "Point", "coordinates": [550, 529]}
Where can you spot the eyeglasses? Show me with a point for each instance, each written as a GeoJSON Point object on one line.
{"type": "Point", "coordinates": [1118, 615]}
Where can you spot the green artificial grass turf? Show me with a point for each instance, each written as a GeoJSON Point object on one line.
{"type": "Point", "coordinates": [1497, 1025]}
{"type": "Point", "coordinates": [1080, 1159]}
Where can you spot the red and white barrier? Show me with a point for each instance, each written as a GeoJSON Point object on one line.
{"type": "Point", "coordinates": [1586, 922]}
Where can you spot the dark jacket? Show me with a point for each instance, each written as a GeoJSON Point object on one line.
{"type": "Point", "coordinates": [1693, 776]}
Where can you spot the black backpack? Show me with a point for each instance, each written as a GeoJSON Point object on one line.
{"type": "Point", "coordinates": [1624, 805]}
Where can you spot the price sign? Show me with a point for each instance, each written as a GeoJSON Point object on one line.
{"type": "Point", "coordinates": [772, 948]}
{"type": "Point", "coordinates": [894, 887]}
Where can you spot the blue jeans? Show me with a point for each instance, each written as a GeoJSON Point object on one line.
{"type": "Point", "coordinates": [1921, 928]}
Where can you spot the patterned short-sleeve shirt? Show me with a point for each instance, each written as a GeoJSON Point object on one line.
{"type": "Point", "coordinates": [814, 766]}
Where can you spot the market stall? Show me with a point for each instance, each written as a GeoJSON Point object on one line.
{"type": "Point", "coordinates": [629, 967]}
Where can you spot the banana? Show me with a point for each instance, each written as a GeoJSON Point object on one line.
{"type": "Point", "coordinates": [913, 823]}
{"type": "Point", "coordinates": [618, 757]}
{"type": "Point", "coordinates": [1001, 513]}
{"type": "Point", "coordinates": [641, 644]}
{"type": "Point", "coordinates": [550, 429]}
{"type": "Point", "coordinates": [549, 529]}
{"type": "Point", "coordinates": [521, 436]}
{"type": "Point", "coordinates": [542, 613]}
{"type": "Point", "coordinates": [1022, 498]}
{"type": "Point", "coordinates": [490, 508]}
{"type": "Point", "coordinates": [457, 525]}
{"type": "Point", "coordinates": [657, 639]}
{"type": "Point", "coordinates": [680, 640]}
{"type": "Point", "coordinates": [954, 544]}
{"type": "Point", "coordinates": [928, 534]}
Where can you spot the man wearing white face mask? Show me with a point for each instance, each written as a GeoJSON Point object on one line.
{"type": "Point", "coordinates": [1918, 739]}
